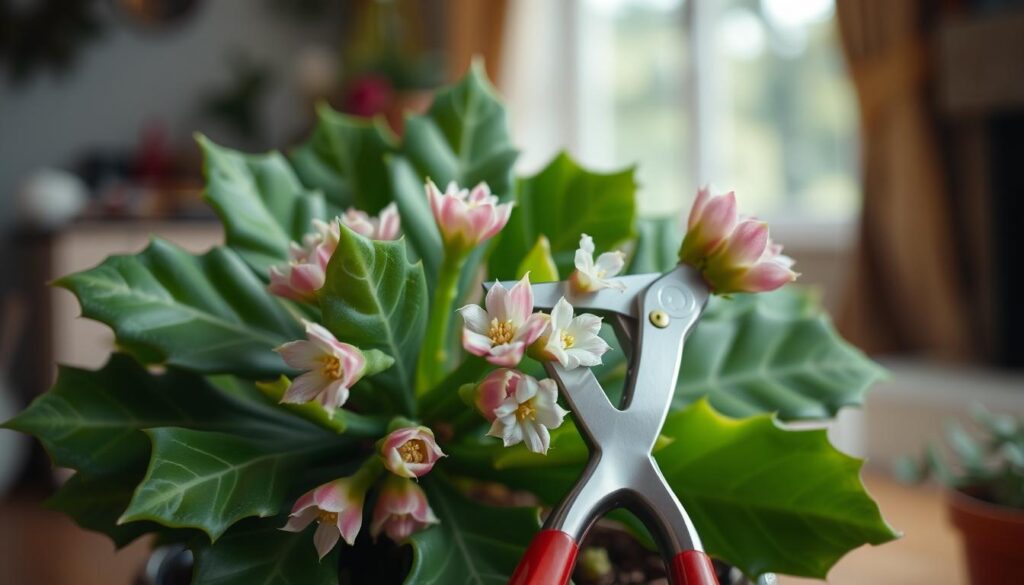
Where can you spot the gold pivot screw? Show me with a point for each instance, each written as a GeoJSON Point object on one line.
{"type": "Point", "coordinates": [659, 319]}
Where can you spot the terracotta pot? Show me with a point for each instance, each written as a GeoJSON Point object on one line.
{"type": "Point", "coordinates": [993, 538]}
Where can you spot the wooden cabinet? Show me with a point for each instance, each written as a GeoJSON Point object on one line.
{"type": "Point", "coordinates": [54, 332]}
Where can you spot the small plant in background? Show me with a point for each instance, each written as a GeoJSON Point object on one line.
{"type": "Point", "coordinates": [988, 464]}
{"type": "Point", "coordinates": [312, 396]}
{"type": "Point", "coordinates": [985, 476]}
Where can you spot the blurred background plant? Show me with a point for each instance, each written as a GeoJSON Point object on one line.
{"type": "Point", "coordinates": [988, 463]}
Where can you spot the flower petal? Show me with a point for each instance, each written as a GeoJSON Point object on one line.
{"type": "Point", "coordinates": [507, 355]}
{"type": "Point", "coordinates": [305, 388]}
{"type": "Point", "coordinates": [747, 243]}
{"type": "Point", "coordinates": [301, 354]}
{"type": "Point", "coordinates": [719, 218]}
{"type": "Point", "coordinates": [584, 259]}
{"type": "Point", "coordinates": [611, 262]}
{"type": "Point", "coordinates": [698, 206]}
{"type": "Point", "coordinates": [764, 277]}
{"type": "Point", "coordinates": [519, 302]}
{"type": "Point", "coordinates": [325, 538]}
{"type": "Point", "coordinates": [475, 343]}
{"type": "Point", "coordinates": [496, 302]}
{"type": "Point", "coordinates": [298, 521]}
{"type": "Point", "coordinates": [475, 318]}
{"type": "Point", "coordinates": [532, 329]}
{"type": "Point", "coordinates": [334, 395]}
{"type": "Point", "coordinates": [561, 314]}
{"type": "Point", "coordinates": [536, 437]}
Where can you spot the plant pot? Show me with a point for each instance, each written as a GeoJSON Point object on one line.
{"type": "Point", "coordinates": [993, 538]}
{"type": "Point", "coordinates": [172, 565]}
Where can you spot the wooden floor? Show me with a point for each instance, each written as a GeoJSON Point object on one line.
{"type": "Point", "coordinates": [38, 547]}
{"type": "Point", "coordinates": [928, 554]}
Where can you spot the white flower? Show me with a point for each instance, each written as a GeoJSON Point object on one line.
{"type": "Point", "coordinates": [591, 276]}
{"type": "Point", "coordinates": [508, 326]}
{"type": "Point", "coordinates": [527, 414]}
{"type": "Point", "coordinates": [572, 341]}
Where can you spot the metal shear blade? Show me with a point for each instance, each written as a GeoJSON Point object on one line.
{"type": "Point", "coordinates": [656, 313]}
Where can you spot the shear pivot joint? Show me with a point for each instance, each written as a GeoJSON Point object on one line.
{"type": "Point", "coordinates": [659, 319]}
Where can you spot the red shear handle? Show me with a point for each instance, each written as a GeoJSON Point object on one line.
{"type": "Point", "coordinates": [548, 561]}
{"type": "Point", "coordinates": [693, 567]}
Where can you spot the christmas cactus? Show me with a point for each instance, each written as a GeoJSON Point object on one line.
{"type": "Point", "coordinates": [333, 378]}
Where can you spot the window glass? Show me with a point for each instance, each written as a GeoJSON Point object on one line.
{"type": "Point", "coordinates": [774, 118]}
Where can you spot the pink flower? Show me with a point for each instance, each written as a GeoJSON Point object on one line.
{"type": "Point", "coordinates": [401, 510]}
{"type": "Point", "coordinates": [528, 413]}
{"type": "Point", "coordinates": [712, 219]}
{"type": "Point", "coordinates": [338, 509]}
{"type": "Point", "coordinates": [306, 272]}
{"type": "Point", "coordinates": [508, 326]}
{"type": "Point", "coordinates": [331, 367]}
{"type": "Point", "coordinates": [467, 218]}
{"type": "Point", "coordinates": [748, 261]}
{"type": "Point", "coordinates": [591, 276]}
{"type": "Point", "coordinates": [410, 452]}
{"type": "Point", "coordinates": [383, 227]}
{"type": "Point", "coordinates": [495, 388]}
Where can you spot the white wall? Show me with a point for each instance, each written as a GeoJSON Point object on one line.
{"type": "Point", "coordinates": [130, 76]}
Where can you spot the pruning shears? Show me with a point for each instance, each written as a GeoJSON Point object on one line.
{"type": "Point", "coordinates": [652, 318]}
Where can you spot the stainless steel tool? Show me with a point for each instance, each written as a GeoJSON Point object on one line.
{"type": "Point", "coordinates": [652, 319]}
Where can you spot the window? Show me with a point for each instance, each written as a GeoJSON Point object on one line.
{"type": "Point", "coordinates": [750, 95]}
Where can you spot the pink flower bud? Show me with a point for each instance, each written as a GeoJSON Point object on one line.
{"type": "Point", "coordinates": [336, 506]}
{"type": "Point", "coordinates": [748, 261]}
{"type": "Point", "coordinates": [734, 256]}
{"type": "Point", "coordinates": [410, 452]}
{"type": "Point", "coordinates": [712, 219]}
{"type": "Point", "coordinates": [306, 272]}
{"type": "Point", "coordinates": [383, 227]}
{"type": "Point", "coordinates": [401, 510]}
{"type": "Point", "coordinates": [495, 388]}
{"type": "Point", "coordinates": [467, 218]}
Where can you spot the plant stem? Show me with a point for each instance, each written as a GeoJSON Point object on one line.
{"type": "Point", "coordinates": [434, 354]}
{"type": "Point", "coordinates": [365, 426]}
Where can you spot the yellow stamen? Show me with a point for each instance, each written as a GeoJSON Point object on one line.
{"type": "Point", "coordinates": [526, 411]}
{"type": "Point", "coordinates": [501, 332]}
{"type": "Point", "coordinates": [328, 517]}
{"type": "Point", "coordinates": [567, 340]}
{"type": "Point", "coordinates": [331, 366]}
{"type": "Point", "coordinates": [413, 451]}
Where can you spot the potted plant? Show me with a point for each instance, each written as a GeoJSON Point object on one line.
{"type": "Point", "coordinates": [323, 399]}
{"type": "Point", "coordinates": [986, 492]}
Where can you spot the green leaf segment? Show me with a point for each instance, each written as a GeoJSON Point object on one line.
{"type": "Point", "coordinates": [209, 313]}
{"type": "Point", "coordinates": [474, 543]}
{"type": "Point", "coordinates": [375, 298]}
{"type": "Point", "coordinates": [744, 479]}
{"type": "Point", "coordinates": [203, 453]}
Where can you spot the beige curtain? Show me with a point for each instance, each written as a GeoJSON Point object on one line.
{"type": "Point", "coordinates": [475, 28]}
{"type": "Point", "coordinates": [905, 294]}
